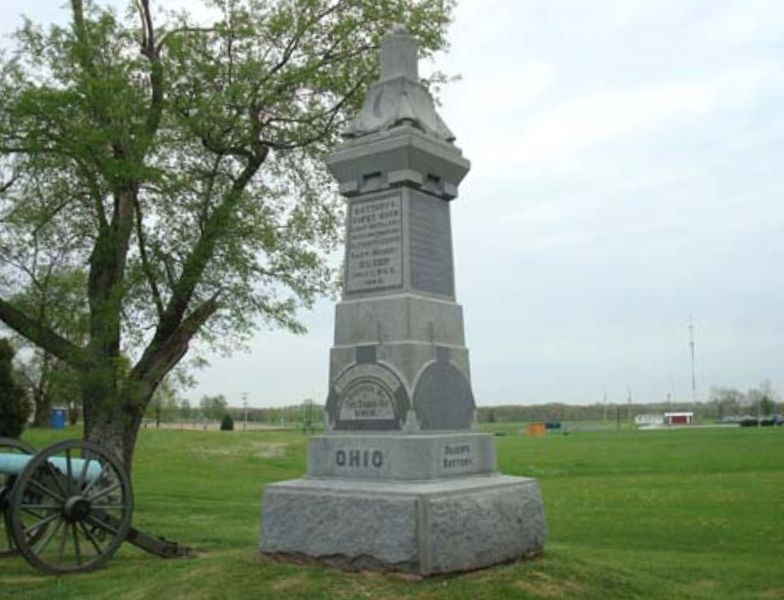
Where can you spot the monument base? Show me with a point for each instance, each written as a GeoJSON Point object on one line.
{"type": "Point", "coordinates": [425, 527]}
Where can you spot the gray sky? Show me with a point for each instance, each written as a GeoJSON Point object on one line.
{"type": "Point", "coordinates": [627, 171]}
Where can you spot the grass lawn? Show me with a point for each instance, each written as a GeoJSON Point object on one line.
{"type": "Point", "coordinates": [660, 514]}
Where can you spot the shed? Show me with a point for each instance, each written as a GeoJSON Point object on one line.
{"type": "Point", "coordinates": [679, 418]}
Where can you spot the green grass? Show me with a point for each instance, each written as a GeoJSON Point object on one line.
{"type": "Point", "coordinates": [661, 514]}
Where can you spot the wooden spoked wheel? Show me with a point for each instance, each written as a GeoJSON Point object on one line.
{"type": "Point", "coordinates": [9, 446]}
{"type": "Point", "coordinates": [81, 497]}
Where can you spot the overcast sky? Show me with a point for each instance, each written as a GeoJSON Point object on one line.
{"type": "Point", "coordinates": [627, 172]}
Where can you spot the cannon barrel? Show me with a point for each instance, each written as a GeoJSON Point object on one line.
{"type": "Point", "coordinates": [14, 464]}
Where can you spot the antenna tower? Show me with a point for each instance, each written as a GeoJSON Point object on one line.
{"type": "Point", "coordinates": [691, 349]}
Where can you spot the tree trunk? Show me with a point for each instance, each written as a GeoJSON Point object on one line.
{"type": "Point", "coordinates": [114, 430]}
{"type": "Point", "coordinates": [118, 437]}
{"type": "Point", "coordinates": [73, 413]}
{"type": "Point", "coordinates": [112, 417]}
{"type": "Point", "coordinates": [42, 405]}
{"type": "Point", "coordinates": [114, 402]}
{"type": "Point", "coordinates": [42, 402]}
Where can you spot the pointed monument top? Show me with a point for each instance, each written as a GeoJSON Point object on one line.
{"type": "Point", "coordinates": [398, 98]}
{"type": "Point", "coordinates": [399, 57]}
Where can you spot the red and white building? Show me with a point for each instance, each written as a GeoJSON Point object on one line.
{"type": "Point", "coordinates": [679, 418]}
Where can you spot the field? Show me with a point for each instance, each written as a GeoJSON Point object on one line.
{"type": "Point", "coordinates": [662, 514]}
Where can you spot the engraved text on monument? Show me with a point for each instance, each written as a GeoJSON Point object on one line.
{"type": "Point", "coordinates": [375, 245]}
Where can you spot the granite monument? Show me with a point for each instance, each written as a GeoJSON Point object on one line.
{"type": "Point", "coordinates": [401, 480]}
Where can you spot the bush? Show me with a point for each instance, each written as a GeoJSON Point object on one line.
{"type": "Point", "coordinates": [14, 407]}
{"type": "Point", "coordinates": [227, 423]}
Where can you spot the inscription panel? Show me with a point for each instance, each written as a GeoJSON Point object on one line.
{"type": "Point", "coordinates": [457, 458]}
{"type": "Point", "coordinates": [374, 251]}
{"type": "Point", "coordinates": [367, 396]}
{"type": "Point", "coordinates": [367, 400]}
{"type": "Point", "coordinates": [431, 245]}
{"type": "Point", "coordinates": [364, 371]}
{"type": "Point", "coordinates": [404, 457]}
{"type": "Point", "coordinates": [353, 458]}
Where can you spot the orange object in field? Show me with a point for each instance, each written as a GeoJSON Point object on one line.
{"type": "Point", "coordinates": [536, 429]}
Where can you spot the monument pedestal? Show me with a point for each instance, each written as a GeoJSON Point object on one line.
{"type": "Point", "coordinates": [422, 526]}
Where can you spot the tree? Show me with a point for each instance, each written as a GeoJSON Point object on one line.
{"type": "Point", "coordinates": [766, 406]}
{"type": "Point", "coordinates": [55, 296]}
{"type": "Point", "coordinates": [185, 410]}
{"type": "Point", "coordinates": [184, 164]}
{"type": "Point", "coordinates": [767, 398]}
{"type": "Point", "coordinates": [14, 408]}
{"type": "Point", "coordinates": [50, 382]}
{"type": "Point", "coordinates": [727, 400]}
{"type": "Point", "coordinates": [227, 423]}
{"type": "Point", "coordinates": [213, 407]}
{"type": "Point", "coordinates": [165, 402]}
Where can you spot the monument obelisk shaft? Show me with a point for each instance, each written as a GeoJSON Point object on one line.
{"type": "Point", "coordinates": [399, 359]}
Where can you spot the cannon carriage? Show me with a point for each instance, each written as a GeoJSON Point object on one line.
{"type": "Point", "coordinates": [68, 508]}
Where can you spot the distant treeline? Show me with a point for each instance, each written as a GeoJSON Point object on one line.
{"type": "Point", "coordinates": [280, 415]}
{"type": "Point", "coordinates": [723, 402]}
{"type": "Point", "coordinates": [537, 412]}
{"type": "Point", "coordinates": [572, 412]}
{"type": "Point", "coordinates": [611, 412]}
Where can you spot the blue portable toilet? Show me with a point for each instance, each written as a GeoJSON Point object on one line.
{"type": "Point", "coordinates": [57, 420]}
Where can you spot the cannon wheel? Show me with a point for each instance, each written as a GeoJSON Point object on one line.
{"type": "Point", "coordinates": [85, 508]}
{"type": "Point", "coordinates": [9, 446]}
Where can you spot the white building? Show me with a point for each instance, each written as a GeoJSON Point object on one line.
{"type": "Point", "coordinates": [648, 420]}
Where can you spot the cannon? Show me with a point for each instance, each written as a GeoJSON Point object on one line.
{"type": "Point", "coordinates": [68, 508]}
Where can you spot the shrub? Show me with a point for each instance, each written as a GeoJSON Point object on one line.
{"type": "Point", "coordinates": [227, 423]}
{"type": "Point", "coordinates": [14, 407]}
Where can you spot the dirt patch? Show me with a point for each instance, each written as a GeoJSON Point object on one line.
{"type": "Point", "coordinates": [20, 580]}
{"type": "Point", "coordinates": [705, 584]}
{"type": "Point", "coordinates": [547, 586]}
{"type": "Point", "coordinates": [289, 583]}
{"type": "Point", "coordinates": [255, 449]}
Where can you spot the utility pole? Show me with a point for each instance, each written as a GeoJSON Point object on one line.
{"type": "Point", "coordinates": [245, 411]}
{"type": "Point", "coordinates": [693, 376]}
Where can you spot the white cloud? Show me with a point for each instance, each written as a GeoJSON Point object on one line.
{"type": "Point", "coordinates": [745, 23]}
{"type": "Point", "coordinates": [565, 130]}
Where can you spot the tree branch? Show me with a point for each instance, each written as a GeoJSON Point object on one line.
{"type": "Point", "coordinates": [150, 51]}
{"type": "Point", "coordinates": [332, 112]}
{"type": "Point", "coordinates": [292, 44]}
{"type": "Point", "coordinates": [95, 192]}
{"type": "Point", "coordinates": [221, 150]}
{"type": "Point", "coordinates": [106, 276]}
{"type": "Point", "coordinates": [165, 37]}
{"type": "Point", "coordinates": [77, 6]}
{"type": "Point", "coordinates": [42, 336]}
{"type": "Point", "coordinates": [162, 355]}
{"type": "Point", "coordinates": [202, 252]}
{"type": "Point", "coordinates": [146, 267]}
{"type": "Point", "coordinates": [7, 186]}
